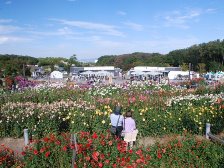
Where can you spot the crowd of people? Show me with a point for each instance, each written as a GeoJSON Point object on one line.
{"type": "Point", "coordinates": [123, 127]}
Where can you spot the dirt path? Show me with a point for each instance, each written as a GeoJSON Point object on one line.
{"type": "Point", "coordinates": [16, 144]}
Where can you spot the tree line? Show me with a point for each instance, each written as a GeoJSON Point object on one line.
{"type": "Point", "coordinates": [12, 65]}
{"type": "Point", "coordinates": [203, 57]}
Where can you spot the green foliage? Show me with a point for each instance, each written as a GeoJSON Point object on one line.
{"type": "Point", "coordinates": [203, 57]}
{"type": "Point", "coordinates": [13, 64]}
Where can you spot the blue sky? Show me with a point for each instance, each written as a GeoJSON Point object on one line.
{"type": "Point", "coordinates": [93, 28]}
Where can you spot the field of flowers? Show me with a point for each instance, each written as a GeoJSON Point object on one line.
{"type": "Point", "coordinates": [158, 110]}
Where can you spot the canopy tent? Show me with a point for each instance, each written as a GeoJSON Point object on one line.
{"type": "Point", "coordinates": [137, 73]}
{"type": "Point", "coordinates": [87, 73]}
{"type": "Point", "coordinates": [152, 73]}
{"type": "Point", "coordinates": [56, 75]}
{"type": "Point", "coordinates": [103, 73]}
{"type": "Point", "coordinates": [175, 74]}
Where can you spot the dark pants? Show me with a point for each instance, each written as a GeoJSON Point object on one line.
{"type": "Point", "coordinates": [118, 132]}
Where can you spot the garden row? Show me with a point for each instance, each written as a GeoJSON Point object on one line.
{"type": "Point", "coordinates": [158, 110]}
{"type": "Point", "coordinates": [101, 150]}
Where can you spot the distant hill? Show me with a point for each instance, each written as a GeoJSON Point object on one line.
{"type": "Point", "coordinates": [127, 61]}
{"type": "Point", "coordinates": [203, 57]}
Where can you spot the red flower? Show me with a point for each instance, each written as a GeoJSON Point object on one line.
{"type": "Point", "coordinates": [130, 151]}
{"type": "Point", "coordinates": [35, 152]}
{"type": "Point", "coordinates": [58, 143]}
{"type": "Point", "coordinates": [114, 165]}
{"type": "Point", "coordinates": [47, 153]}
{"type": "Point", "coordinates": [103, 143]}
{"type": "Point", "coordinates": [94, 136]}
{"type": "Point", "coordinates": [23, 153]}
{"type": "Point", "coordinates": [46, 139]}
{"type": "Point", "coordinates": [90, 141]}
{"type": "Point", "coordinates": [87, 158]}
{"type": "Point", "coordinates": [102, 156]}
{"type": "Point", "coordinates": [139, 161]}
{"type": "Point", "coordinates": [72, 146]}
{"type": "Point", "coordinates": [139, 152]}
{"type": "Point", "coordinates": [148, 157]}
{"type": "Point", "coordinates": [42, 150]}
{"type": "Point", "coordinates": [159, 155]}
{"type": "Point", "coordinates": [107, 161]}
{"type": "Point", "coordinates": [64, 148]}
{"type": "Point", "coordinates": [88, 145]}
{"type": "Point", "coordinates": [100, 164]}
{"type": "Point", "coordinates": [95, 156]}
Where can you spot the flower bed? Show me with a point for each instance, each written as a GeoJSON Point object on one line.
{"type": "Point", "coordinates": [101, 150]}
{"type": "Point", "coordinates": [157, 112]}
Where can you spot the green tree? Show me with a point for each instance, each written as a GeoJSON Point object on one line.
{"type": "Point", "coordinates": [201, 67]}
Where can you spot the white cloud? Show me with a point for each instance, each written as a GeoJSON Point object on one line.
{"type": "Point", "coordinates": [134, 26]}
{"type": "Point", "coordinates": [210, 10]}
{"type": "Point", "coordinates": [5, 20]}
{"type": "Point", "coordinates": [181, 18]}
{"type": "Point", "coordinates": [8, 2]}
{"type": "Point", "coordinates": [4, 29]}
{"type": "Point", "coordinates": [98, 27]}
{"type": "Point", "coordinates": [59, 32]}
{"type": "Point", "coordinates": [122, 13]}
{"type": "Point", "coordinates": [12, 39]}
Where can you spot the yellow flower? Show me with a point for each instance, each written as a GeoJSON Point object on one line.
{"type": "Point", "coordinates": [140, 113]}
{"type": "Point", "coordinates": [143, 119]}
{"type": "Point", "coordinates": [164, 128]}
{"type": "Point", "coordinates": [103, 122]}
{"type": "Point", "coordinates": [154, 119]}
{"type": "Point", "coordinates": [72, 122]}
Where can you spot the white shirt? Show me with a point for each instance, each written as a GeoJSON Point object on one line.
{"type": "Point", "coordinates": [114, 119]}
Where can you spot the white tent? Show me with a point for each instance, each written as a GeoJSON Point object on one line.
{"type": "Point", "coordinates": [137, 73]}
{"type": "Point", "coordinates": [56, 75]}
{"type": "Point", "coordinates": [87, 73]}
{"type": "Point", "coordinates": [154, 73]}
{"type": "Point", "coordinates": [175, 74]}
{"type": "Point", "coordinates": [103, 73]}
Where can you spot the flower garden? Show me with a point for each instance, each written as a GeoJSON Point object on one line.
{"type": "Point", "coordinates": [52, 114]}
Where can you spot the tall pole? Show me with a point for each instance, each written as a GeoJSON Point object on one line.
{"type": "Point", "coordinates": [189, 71]}
{"type": "Point", "coordinates": [23, 70]}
